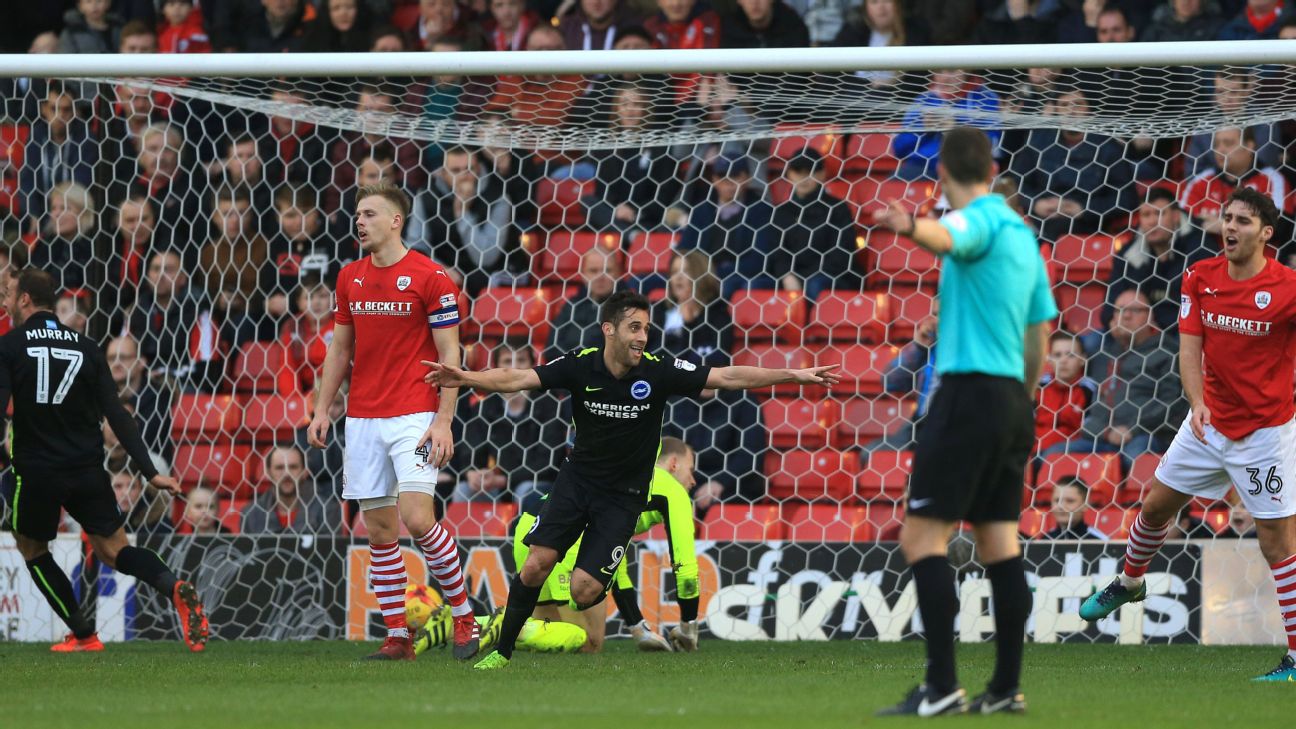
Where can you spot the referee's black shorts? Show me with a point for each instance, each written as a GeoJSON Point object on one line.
{"type": "Point", "coordinates": [41, 494]}
{"type": "Point", "coordinates": [971, 451]}
{"type": "Point", "coordinates": [603, 519]}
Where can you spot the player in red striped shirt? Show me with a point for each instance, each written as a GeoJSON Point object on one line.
{"type": "Point", "coordinates": [1237, 347]}
{"type": "Point", "coordinates": [395, 307]}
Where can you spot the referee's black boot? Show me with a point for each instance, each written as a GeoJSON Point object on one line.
{"type": "Point", "coordinates": [925, 702]}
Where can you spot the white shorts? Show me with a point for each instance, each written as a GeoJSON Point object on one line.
{"type": "Point", "coordinates": [1262, 466]}
{"type": "Point", "coordinates": [381, 459]}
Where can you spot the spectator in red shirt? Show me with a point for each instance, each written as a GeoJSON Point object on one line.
{"type": "Point", "coordinates": [1235, 158]}
{"type": "Point", "coordinates": [688, 25]}
{"type": "Point", "coordinates": [1064, 395]}
{"type": "Point", "coordinates": [182, 30]}
{"type": "Point", "coordinates": [509, 25]}
{"type": "Point", "coordinates": [539, 99]}
{"type": "Point", "coordinates": [290, 504]}
{"type": "Point", "coordinates": [306, 338]}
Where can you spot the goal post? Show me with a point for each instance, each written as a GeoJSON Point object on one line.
{"type": "Point", "coordinates": [196, 211]}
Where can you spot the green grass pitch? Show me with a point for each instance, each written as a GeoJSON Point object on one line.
{"type": "Point", "coordinates": [746, 685]}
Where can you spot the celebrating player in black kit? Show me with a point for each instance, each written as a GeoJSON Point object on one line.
{"type": "Point", "coordinates": [619, 393]}
{"type": "Point", "coordinates": [62, 388]}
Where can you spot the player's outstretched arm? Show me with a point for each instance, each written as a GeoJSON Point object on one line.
{"type": "Point", "coordinates": [926, 232]}
{"type": "Point", "coordinates": [500, 379]}
{"type": "Point", "coordinates": [336, 361]}
{"type": "Point", "coordinates": [746, 378]}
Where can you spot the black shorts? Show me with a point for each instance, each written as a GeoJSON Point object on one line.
{"type": "Point", "coordinates": [606, 519]}
{"type": "Point", "coordinates": [86, 493]}
{"type": "Point", "coordinates": [970, 456]}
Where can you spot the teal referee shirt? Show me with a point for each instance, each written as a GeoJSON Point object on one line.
{"type": "Point", "coordinates": [992, 285]}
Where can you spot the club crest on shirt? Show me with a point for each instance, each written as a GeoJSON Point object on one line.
{"type": "Point", "coordinates": [640, 390]}
{"type": "Point", "coordinates": [1262, 299]}
{"type": "Point", "coordinates": [402, 282]}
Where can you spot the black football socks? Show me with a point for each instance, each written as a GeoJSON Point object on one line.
{"type": "Point", "coordinates": [521, 603]}
{"type": "Point", "coordinates": [627, 602]}
{"type": "Point", "coordinates": [1012, 606]}
{"type": "Point", "coordinates": [938, 603]}
{"type": "Point", "coordinates": [146, 566]}
{"type": "Point", "coordinates": [54, 584]}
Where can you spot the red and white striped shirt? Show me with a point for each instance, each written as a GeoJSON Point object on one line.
{"type": "Point", "coordinates": [1205, 194]}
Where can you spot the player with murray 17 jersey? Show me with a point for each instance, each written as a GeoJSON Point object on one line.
{"type": "Point", "coordinates": [1237, 349]}
{"type": "Point", "coordinates": [395, 307]}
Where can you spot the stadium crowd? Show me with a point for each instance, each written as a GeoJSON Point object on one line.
{"type": "Point", "coordinates": [200, 243]}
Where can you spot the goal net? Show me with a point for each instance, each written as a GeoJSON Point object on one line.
{"type": "Point", "coordinates": [196, 221]}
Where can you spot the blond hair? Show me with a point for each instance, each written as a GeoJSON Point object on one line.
{"type": "Point", "coordinates": [389, 192]}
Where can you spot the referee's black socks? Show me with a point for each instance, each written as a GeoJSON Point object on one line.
{"type": "Point", "coordinates": [938, 602]}
{"type": "Point", "coordinates": [54, 584]}
{"type": "Point", "coordinates": [521, 603]}
{"type": "Point", "coordinates": [1012, 606]}
{"type": "Point", "coordinates": [145, 566]}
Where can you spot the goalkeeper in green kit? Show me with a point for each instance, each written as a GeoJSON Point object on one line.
{"type": "Point", "coordinates": [557, 627]}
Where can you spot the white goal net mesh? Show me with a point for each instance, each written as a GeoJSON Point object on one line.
{"type": "Point", "coordinates": [196, 227]}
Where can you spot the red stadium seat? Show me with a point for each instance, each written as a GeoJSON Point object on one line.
{"type": "Point", "coordinates": [869, 195]}
{"type": "Point", "coordinates": [1114, 521]}
{"type": "Point", "coordinates": [1081, 306]}
{"type": "Point", "coordinates": [886, 518]}
{"type": "Point", "coordinates": [1085, 259]}
{"type": "Point", "coordinates": [911, 305]}
{"type": "Point", "coordinates": [1139, 480]}
{"type": "Point", "coordinates": [1100, 471]}
{"type": "Point", "coordinates": [850, 316]}
{"type": "Point", "coordinates": [743, 523]}
{"type": "Point", "coordinates": [558, 257]}
{"type": "Point", "coordinates": [475, 520]}
{"type": "Point", "coordinates": [205, 418]}
{"type": "Point", "coordinates": [862, 366]}
{"type": "Point", "coordinates": [810, 475]}
{"type": "Point", "coordinates": [219, 467]}
{"type": "Point", "coordinates": [897, 260]}
{"type": "Point", "coordinates": [515, 312]}
{"type": "Point", "coordinates": [784, 149]}
{"type": "Point", "coordinates": [799, 423]}
{"type": "Point", "coordinates": [1031, 523]}
{"type": "Point", "coordinates": [866, 419]}
{"type": "Point", "coordinates": [273, 418]}
{"type": "Point", "coordinates": [886, 476]}
{"type": "Point", "coordinates": [559, 201]}
{"type": "Point", "coordinates": [651, 253]}
{"type": "Point", "coordinates": [819, 523]}
{"type": "Point", "coordinates": [257, 367]}
{"type": "Point", "coordinates": [232, 518]}
{"type": "Point", "coordinates": [762, 315]}
{"type": "Point", "coordinates": [869, 154]}
{"type": "Point", "coordinates": [775, 356]}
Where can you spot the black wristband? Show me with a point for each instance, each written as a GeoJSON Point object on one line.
{"type": "Point", "coordinates": [913, 224]}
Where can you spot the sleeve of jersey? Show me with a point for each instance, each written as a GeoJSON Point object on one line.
{"type": "Point", "coordinates": [1042, 306]}
{"type": "Point", "coordinates": [968, 233]}
{"type": "Point", "coordinates": [122, 422]}
{"type": "Point", "coordinates": [557, 374]}
{"type": "Point", "coordinates": [342, 301]}
{"type": "Point", "coordinates": [442, 303]}
{"type": "Point", "coordinates": [682, 377]}
{"type": "Point", "coordinates": [1189, 317]}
